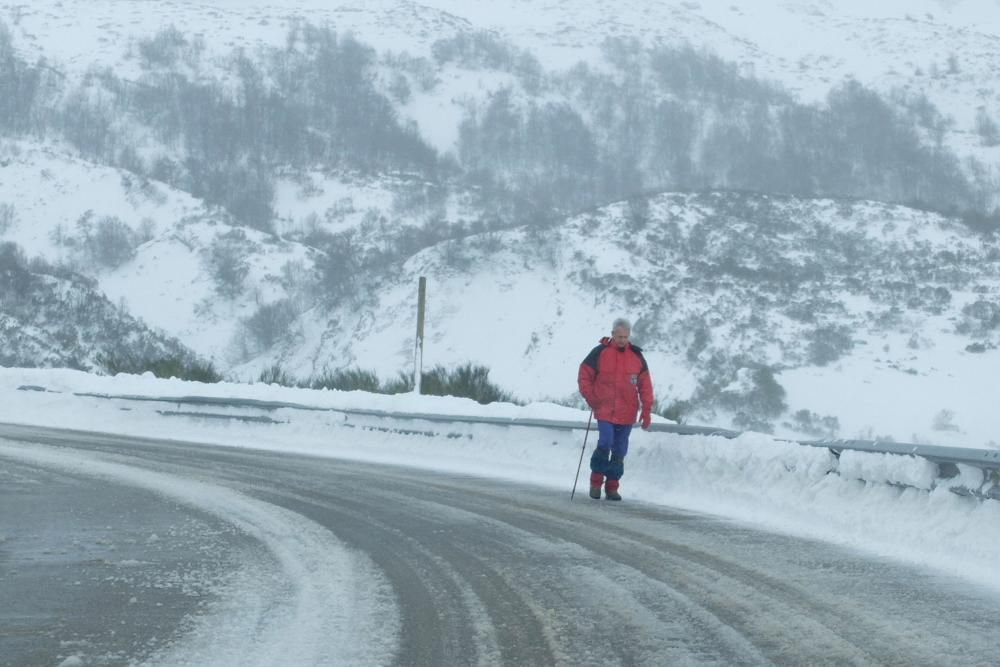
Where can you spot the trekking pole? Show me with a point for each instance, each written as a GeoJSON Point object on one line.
{"type": "Point", "coordinates": [580, 464]}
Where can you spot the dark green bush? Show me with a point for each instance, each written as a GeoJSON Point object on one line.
{"type": "Point", "coordinates": [114, 242]}
{"type": "Point", "coordinates": [270, 323]}
{"type": "Point", "coordinates": [829, 343]}
{"type": "Point", "coordinates": [403, 383]}
{"type": "Point", "coordinates": [275, 374]}
{"type": "Point", "coordinates": [184, 368]}
{"type": "Point", "coordinates": [752, 422]}
{"type": "Point", "coordinates": [227, 264]}
{"type": "Point", "coordinates": [674, 411]}
{"type": "Point", "coordinates": [468, 381]}
{"type": "Point", "coordinates": [763, 397]}
{"type": "Point", "coordinates": [813, 424]}
{"type": "Point", "coordinates": [979, 318]}
{"type": "Point", "coordinates": [351, 379]}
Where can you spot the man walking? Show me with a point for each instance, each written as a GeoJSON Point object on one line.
{"type": "Point", "coordinates": [614, 379]}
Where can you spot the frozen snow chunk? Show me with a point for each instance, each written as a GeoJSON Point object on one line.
{"type": "Point", "coordinates": [888, 468]}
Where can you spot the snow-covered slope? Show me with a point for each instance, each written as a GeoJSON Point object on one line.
{"type": "Point", "coordinates": [165, 275]}
{"type": "Point", "coordinates": [822, 289]}
{"type": "Point", "coordinates": [946, 49]}
{"type": "Point", "coordinates": [51, 189]}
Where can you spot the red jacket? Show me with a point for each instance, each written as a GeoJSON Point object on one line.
{"type": "Point", "coordinates": [614, 381]}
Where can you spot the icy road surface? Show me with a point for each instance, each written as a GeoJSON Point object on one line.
{"type": "Point", "coordinates": [117, 550]}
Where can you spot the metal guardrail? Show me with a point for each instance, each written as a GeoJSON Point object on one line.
{"type": "Point", "coordinates": [569, 425]}
{"type": "Point", "coordinates": [948, 459]}
{"type": "Point", "coordinates": [979, 458]}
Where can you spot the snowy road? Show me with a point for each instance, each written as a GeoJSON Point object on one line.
{"type": "Point", "coordinates": [116, 550]}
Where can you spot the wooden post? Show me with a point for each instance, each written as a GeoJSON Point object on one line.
{"type": "Point", "coordinates": [418, 355]}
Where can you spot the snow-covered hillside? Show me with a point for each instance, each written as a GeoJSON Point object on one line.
{"type": "Point", "coordinates": [491, 151]}
{"type": "Point", "coordinates": [821, 290]}
{"type": "Point", "coordinates": [946, 49]}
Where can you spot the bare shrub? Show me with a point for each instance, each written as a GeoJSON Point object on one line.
{"type": "Point", "coordinates": [270, 323]}
{"type": "Point", "coordinates": [7, 217]}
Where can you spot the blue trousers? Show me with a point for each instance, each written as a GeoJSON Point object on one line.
{"type": "Point", "coordinates": [612, 446]}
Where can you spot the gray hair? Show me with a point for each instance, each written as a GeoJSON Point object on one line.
{"type": "Point", "coordinates": [621, 323]}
